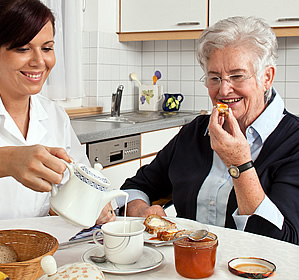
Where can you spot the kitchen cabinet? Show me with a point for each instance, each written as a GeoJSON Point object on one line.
{"type": "Point", "coordinates": [279, 14]}
{"type": "Point", "coordinates": [166, 19]}
{"type": "Point", "coordinates": [117, 174]}
{"type": "Point", "coordinates": [141, 20]}
{"type": "Point", "coordinates": [152, 142]}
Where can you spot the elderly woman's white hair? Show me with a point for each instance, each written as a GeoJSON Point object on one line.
{"type": "Point", "coordinates": [250, 32]}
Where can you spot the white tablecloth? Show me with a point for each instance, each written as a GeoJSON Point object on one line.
{"type": "Point", "coordinates": [232, 243]}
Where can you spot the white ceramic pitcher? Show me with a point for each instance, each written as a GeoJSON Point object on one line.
{"type": "Point", "coordinates": [81, 199]}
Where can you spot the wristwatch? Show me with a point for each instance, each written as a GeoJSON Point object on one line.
{"type": "Point", "coordinates": [235, 171]}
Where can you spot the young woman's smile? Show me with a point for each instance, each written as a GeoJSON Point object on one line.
{"type": "Point", "coordinates": [23, 70]}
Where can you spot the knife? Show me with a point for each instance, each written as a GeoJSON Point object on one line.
{"type": "Point", "coordinates": [71, 243]}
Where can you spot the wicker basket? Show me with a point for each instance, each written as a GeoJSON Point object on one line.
{"type": "Point", "coordinates": [31, 246]}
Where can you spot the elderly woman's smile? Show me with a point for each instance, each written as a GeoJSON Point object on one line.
{"type": "Point", "coordinates": [236, 84]}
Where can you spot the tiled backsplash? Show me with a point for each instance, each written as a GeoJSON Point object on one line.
{"type": "Point", "coordinates": [109, 64]}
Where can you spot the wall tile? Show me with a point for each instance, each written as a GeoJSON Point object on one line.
{"type": "Point", "coordinates": [93, 55]}
{"type": "Point", "coordinates": [174, 73]}
{"type": "Point", "coordinates": [85, 39]}
{"type": "Point", "coordinates": [148, 46]}
{"type": "Point", "coordinates": [187, 88]}
{"type": "Point", "coordinates": [174, 86]}
{"type": "Point", "coordinates": [281, 42]}
{"type": "Point", "coordinates": [202, 103]}
{"type": "Point", "coordinates": [187, 45]}
{"type": "Point", "coordinates": [147, 74]}
{"type": "Point", "coordinates": [174, 45]}
{"type": "Point", "coordinates": [188, 103]}
{"type": "Point", "coordinates": [187, 73]}
{"type": "Point", "coordinates": [292, 42]}
{"type": "Point", "coordinates": [176, 60]}
{"type": "Point", "coordinates": [281, 57]}
{"type": "Point", "coordinates": [148, 58]}
{"type": "Point", "coordinates": [292, 105]}
{"type": "Point", "coordinates": [187, 58]}
{"type": "Point", "coordinates": [280, 87]}
{"type": "Point", "coordinates": [93, 39]}
{"type": "Point", "coordinates": [160, 46]}
{"type": "Point", "coordinates": [292, 90]}
{"type": "Point", "coordinates": [164, 73]}
{"type": "Point", "coordinates": [292, 73]}
{"type": "Point", "coordinates": [280, 73]}
{"type": "Point", "coordinates": [292, 57]}
{"type": "Point", "coordinates": [161, 58]}
{"type": "Point", "coordinates": [123, 57]}
{"type": "Point", "coordinates": [85, 56]}
{"type": "Point", "coordinates": [93, 72]}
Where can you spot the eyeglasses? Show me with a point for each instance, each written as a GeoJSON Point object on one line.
{"type": "Point", "coordinates": [214, 82]}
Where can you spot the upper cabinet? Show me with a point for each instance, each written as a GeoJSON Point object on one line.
{"type": "Point", "coordinates": [282, 15]}
{"type": "Point", "coordinates": [173, 19]}
{"type": "Point", "coordinates": [141, 20]}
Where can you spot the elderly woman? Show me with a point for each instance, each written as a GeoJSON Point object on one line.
{"type": "Point", "coordinates": [240, 171]}
{"type": "Point", "coordinates": [35, 133]}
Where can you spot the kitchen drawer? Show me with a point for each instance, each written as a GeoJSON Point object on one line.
{"type": "Point", "coordinates": [152, 142]}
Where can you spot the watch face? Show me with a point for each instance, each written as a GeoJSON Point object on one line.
{"type": "Point", "coordinates": [234, 172]}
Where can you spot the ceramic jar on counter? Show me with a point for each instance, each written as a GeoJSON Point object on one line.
{"type": "Point", "coordinates": [196, 259]}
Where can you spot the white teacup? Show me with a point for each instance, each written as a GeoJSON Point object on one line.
{"type": "Point", "coordinates": [123, 241]}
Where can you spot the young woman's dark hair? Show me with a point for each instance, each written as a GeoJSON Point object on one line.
{"type": "Point", "coordinates": [21, 21]}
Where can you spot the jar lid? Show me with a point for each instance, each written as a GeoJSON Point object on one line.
{"type": "Point", "coordinates": [251, 267]}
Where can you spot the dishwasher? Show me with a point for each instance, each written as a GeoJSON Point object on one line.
{"type": "Point", "coordinates": [120, 158]}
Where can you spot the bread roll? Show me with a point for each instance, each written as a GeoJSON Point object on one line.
{"type": "Point", "coordinates": [7, 254]}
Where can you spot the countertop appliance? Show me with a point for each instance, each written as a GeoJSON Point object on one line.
{"type": "Point", "coordinates": [114, 151]}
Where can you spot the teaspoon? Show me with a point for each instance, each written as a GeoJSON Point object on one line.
{"type": "Point", "coordinates": [194, 236]}
{"type": "Point", "coordinates": [98, 259]}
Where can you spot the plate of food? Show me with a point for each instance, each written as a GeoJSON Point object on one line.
{"type": "Point", "coordinates": [159, 229]}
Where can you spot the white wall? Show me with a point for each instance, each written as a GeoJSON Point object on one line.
{"type": "Point", "coordinates": [108, 63]}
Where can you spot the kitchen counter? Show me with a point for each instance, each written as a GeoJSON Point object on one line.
{"type": "Point", "coordinates": [89, 130]}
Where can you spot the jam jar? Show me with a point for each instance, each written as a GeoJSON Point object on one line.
{"type": "Point", "coordinates": [196, 259]}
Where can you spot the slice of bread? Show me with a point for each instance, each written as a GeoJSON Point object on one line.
{"type": "Point", "coordinates": [166, 235]}
{"type": "Point", "coordinates": [223, 109]}
{"type": "Point", "coordinates": [155, 223]}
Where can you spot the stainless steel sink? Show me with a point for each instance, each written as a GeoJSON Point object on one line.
{"type": "Point", "coordinates": [141, 116]}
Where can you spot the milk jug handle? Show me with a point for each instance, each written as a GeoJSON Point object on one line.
{"type": "Point", "coordinates": [70, 167]}
{"type": "Point", "coordinates": [95, 237]}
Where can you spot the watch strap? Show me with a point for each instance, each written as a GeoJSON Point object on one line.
{"type": "Point", "coordinates": [245, 166]}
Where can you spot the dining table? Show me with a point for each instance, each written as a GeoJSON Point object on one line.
{"type": "Point", "coordinates": [232, 244]}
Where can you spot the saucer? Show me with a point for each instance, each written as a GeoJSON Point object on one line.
{"type": "Point", "coordinates": [150, 259]}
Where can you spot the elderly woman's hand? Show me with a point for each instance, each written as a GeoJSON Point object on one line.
{"type": "Point", "coordinates": [139, 208]}
{"type": "Point", "coordinates": [227, 139]}
{"type": "Point", "coordinates": [107, 215]}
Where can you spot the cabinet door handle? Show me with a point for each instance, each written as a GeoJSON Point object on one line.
{"type": "Point", "coordinates": [188, 23]}
{"type": "Point", "coordinates": [288, 19]}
